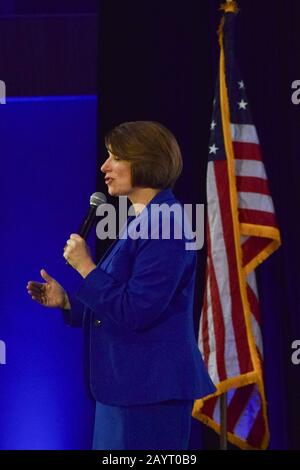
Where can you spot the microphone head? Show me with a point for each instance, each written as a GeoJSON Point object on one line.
{"type": "Point", "coordinates": [97, 198]}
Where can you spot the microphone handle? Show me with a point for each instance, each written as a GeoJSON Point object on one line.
{"type": "Point", "coordinates": [88, 222]}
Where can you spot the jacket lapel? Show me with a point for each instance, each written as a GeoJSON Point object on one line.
{"type": "Point", "coordinates": [161, 197]}
{"type": "Point", "coordinates": [115, 246]}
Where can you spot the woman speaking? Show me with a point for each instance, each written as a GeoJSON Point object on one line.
{"type": "Point", "coordinates": [136, 304]}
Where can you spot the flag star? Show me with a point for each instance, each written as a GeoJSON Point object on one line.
{"type": "Point", "coordinates": [213, 149]}
{"type": "Point", "coordinates": [213, 125]}
{"type": "Point", "coordinates": [241, 85]}
{"type": "Point", "coordinates": [242, 104]}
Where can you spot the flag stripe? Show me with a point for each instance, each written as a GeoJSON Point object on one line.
{"type": "Point", "coordinates": [247, 151]}
{"type": "Point", "coordinates": [255, 201]}
{"type": "Point", "coordinates": [250, 184]}
{"type": "Point", "coordinates": [253, 302]}
{"type": "Point", "coordinates": [212, 369]}
{"type": "Point", "coordinates": [248, 216]}
{"type": "Point", "coordinates": [238, 321]}
{"type": "Point", "coordinates": [251, 248]}
{"type": "Point", "coordinates": [203, 338]}
{"type": "Point", "coordinates": [220, 262]}
{"type": "Point", "coordinates": [244, 133]}
{"type": "Point", "coordinates": [257, 431]}
{"type": "Point", "coordinates": [250, 168]}
{"type": "Point", "coordinates": [257, 335]}
{"type": "Point", "coordinates": [238, 403]}
{"type": "Point", "coordinates": [249, 414]}
{"type": "Point", "coordinates": [219, 329]}
{"type": "Point", "coordinates": [210, 405]}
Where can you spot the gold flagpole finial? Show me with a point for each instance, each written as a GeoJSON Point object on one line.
{"type": "Point", "coordinates": [230, 7]}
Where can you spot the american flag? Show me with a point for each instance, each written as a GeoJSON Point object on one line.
{"type": "Point", "coordinates": [241, 233]}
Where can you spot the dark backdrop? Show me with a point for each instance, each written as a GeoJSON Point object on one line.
{"type": "Point", "coordinates": [158, 60]}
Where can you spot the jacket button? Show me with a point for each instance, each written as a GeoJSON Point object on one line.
{"type": "Point", "coordinates": [97, 322]}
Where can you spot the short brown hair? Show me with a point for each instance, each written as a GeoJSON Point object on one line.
{"type": "Point", "coordinates": [153, 151]}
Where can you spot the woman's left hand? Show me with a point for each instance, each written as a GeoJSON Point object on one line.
{"type": "Point", "coordinates": [78, 255]}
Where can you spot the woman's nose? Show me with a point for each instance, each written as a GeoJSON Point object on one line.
{"type": "Point", "coordinates": [105, 166]}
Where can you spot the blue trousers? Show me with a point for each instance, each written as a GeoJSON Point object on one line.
{"type": "Point", "coordinates": [156, 426]}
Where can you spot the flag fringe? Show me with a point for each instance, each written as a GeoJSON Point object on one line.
{"type": "Point", "coordinates": [250, 378]}
{"type": "Point", "coordinates": [262, 231]}
{"type": "Point", "coordinates": [232, 438]}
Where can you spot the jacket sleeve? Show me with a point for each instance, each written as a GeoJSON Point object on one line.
{"type": "Point", "coordinates": [138, 302]}
{"type": "Point", "coordinates": [74, 317]}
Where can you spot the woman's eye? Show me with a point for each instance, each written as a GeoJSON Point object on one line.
{"type": "Point", "coordinates": [114, 157]}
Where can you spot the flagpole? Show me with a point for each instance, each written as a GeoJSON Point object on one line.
{"type": "Point", "coordinates": [223, 421]}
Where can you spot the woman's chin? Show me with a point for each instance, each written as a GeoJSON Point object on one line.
{"type": "Point", "coordinates": [115, 192]}
{"type": "Point", "coordinates": [111, 191]}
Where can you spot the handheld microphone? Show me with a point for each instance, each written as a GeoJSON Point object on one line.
{"type": "Point", "coordinates": [95, 200]}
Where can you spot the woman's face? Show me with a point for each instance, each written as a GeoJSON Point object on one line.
{"type": "Point", "coordinates": [117, 175]}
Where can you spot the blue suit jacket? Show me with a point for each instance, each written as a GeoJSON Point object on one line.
{"type": "Point", "coordinates": [137, 311]}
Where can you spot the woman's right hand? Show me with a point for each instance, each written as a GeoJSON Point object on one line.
{"type": "Point", "coordinates": [49, 293]}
